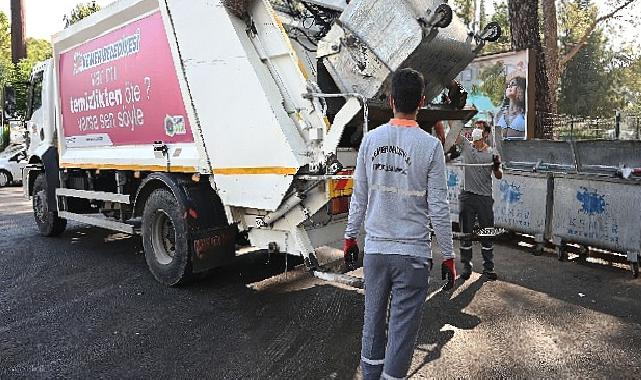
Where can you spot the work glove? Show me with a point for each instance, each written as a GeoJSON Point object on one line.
{"type": "Point", "coordinates": [448, 271]}
{"type": "Point", "coordinates": [350, 253]}
{"type": "Point", "coordinates": [496, 161]}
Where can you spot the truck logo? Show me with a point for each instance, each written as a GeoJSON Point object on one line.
{"type": "Point", "coordinates": [175, 125]}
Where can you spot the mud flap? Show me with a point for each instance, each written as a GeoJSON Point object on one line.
{"type": "Point", "coordinates": [213, 247]}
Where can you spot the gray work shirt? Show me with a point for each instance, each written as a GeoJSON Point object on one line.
{"type": "Point", "coordinates": [478, 179]}
{"type": "Point", "coordinates": [399, 185]}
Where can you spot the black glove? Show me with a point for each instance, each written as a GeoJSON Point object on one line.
{"type": "Point", "coordinates": [497, 163]}
{"type": "Point", "coordinates": [448, 272]}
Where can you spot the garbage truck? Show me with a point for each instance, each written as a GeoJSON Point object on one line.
{"type": "Point", "coordinates": [201, 124]}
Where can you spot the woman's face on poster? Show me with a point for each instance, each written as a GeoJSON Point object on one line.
{"type": "Point", "coordinates": [514, 91]}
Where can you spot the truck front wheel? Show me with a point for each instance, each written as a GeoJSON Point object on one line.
{"type": "Point", "coordinates": [165, 238]}
{"type": "Point", "coordinates": [5, 178]}
{"type": "Point", "coordinates": [48, 221]}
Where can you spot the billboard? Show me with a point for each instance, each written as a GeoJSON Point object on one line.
{"type": "Point", "coordinates": [122, 89]}
{"type": "Point", "coordinates": [498, 86]}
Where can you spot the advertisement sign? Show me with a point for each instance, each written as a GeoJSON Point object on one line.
{"type": "Point", "coordinates": [122, 89]}
{"type": "Point", "coordinates": [498, 88]}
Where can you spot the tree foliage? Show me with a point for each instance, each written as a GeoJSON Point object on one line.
{"type": "Point", "coordinates": [464, 9]}
{"type": "Point", "coordinates": [597, 80]}
{"type": "Point", "coordinates": [80, 11]}
{"type": "Point", "coordinates": [17, 75]}
{"type": "Point", "coordinates": [493, 83]}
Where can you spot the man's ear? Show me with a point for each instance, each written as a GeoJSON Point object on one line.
{"type": "Point", "coordinates": [421, 104]}
{"type": "Point", "coordinates": [390, 100]}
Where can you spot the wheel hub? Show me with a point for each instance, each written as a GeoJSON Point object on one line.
{"type": "Point", "coordinates": [163, 238]}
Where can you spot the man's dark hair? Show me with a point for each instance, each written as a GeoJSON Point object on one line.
{"type": "Point", "coordinates": [407, 90]}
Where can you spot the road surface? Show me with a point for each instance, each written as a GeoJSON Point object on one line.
{"type": "Point", "coordinates": [84, 305]}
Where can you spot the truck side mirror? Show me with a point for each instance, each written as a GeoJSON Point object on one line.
{"type": "Point", "coordinates": [9, 105]}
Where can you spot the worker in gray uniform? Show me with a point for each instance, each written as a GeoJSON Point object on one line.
{"type": "Point", "coordinates": [475, 199]}
{"type": "Point", "coordinates": [399, 184]}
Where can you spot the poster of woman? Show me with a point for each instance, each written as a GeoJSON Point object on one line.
{"type": "Point", "coordinates": [511, 116]}
{"type": "Point", "coordinates": [498, 86]}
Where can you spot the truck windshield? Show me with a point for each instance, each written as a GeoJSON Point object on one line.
{"type": "Point", "coordinates": [35, 94]}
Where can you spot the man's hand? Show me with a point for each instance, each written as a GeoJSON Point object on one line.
{"type": "Point", "coordinates": [496, 161]}
{"type": "Point", "coordinates": [448, 271]}
{"type": "Point", "coordinates": [350, 253]}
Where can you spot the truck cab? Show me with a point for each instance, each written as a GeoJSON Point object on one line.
{"type": "Point", "coordinates": [40, 121]}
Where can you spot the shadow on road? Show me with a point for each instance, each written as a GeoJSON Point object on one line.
{"type": "Point", "coordinates": [442, 316]}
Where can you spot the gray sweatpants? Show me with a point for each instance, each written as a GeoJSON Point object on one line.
{"type": "Point", "coordinates": [399, 282]}
{"type": "Point", "coordinates": [476, 207]}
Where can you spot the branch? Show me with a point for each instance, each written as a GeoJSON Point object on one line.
{"type": "Point", "coordinates": [583, 40]}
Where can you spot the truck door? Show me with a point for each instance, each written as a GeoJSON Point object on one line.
{"type": "Point", "coordinates": [37, 134]}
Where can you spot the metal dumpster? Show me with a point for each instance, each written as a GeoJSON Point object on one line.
{"type": "Point", "coordinates": [599, 212]}
{"type": "Point", "coordinates": [522, 202]}
{"type": "Point", "coordinates": [606, 157]}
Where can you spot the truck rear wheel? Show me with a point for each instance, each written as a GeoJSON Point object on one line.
{"type": "Point", "coordinates": [165, 238]}
{"type": "Point", "coordinates": [48, 221]}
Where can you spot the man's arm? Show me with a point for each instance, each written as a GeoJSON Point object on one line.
{"type": "Point", "coordinates": [358, 203]}
{"type": "Point", "coordinates": [437, 204]}
{"type": "Point", "coordinates": [496, 167]}
{"type": "Point", "coordinates": [439, 131]}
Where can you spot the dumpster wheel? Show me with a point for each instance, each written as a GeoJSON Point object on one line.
{"type": "Point", "coordinates": [584, 252]}
{"type": "Point", "coordinates": [561, 253]}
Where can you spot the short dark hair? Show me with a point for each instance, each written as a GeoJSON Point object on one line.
{"type": "Point", "coordinates": [407, 90]}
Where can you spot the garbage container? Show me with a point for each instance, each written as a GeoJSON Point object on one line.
{"type": "Point", "coordinates": [600, 212]}
{"type": "Point", "coordinates": [522, 203]}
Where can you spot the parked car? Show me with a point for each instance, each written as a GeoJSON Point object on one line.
{"type": "Point", "coordinates": [12, 161]}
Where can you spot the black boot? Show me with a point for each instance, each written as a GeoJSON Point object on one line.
{"type": "Point", "coordinates": [467, 270]}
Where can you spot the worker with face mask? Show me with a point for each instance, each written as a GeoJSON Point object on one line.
{"type": "Point", "coordinates": [475, 199]}
{"type": "Point", "coordinates": [399, 184]}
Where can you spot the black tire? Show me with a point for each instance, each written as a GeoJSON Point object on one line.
{"type": "Point", "coordinates": [492, 32]}
{"type": "Point", "coordinates": [49, 223]}
{"type": "Point", "coordinates": [5, 178]}
{"type": "Point", "coordinates": [446, 16]}
{"type": "Point", "coordinates": [165, 237]}
{"type": "Point", "coordinates": [635, 269]}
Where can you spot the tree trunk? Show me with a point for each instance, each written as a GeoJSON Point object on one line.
{"type": "Point", "coordinates": [551, 51]}
{"type": "Point", "coordinates": [524, 23]}
{"type": "Point", "coordinates": [18, 41]}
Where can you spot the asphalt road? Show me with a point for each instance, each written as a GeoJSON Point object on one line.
{"type": "Point", "coordinates": [84, 305]}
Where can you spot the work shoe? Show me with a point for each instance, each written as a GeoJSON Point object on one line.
{"type": "Point", "coordinates": [465, 274]}
{"type": "Point", "coordinates": [490, 275]}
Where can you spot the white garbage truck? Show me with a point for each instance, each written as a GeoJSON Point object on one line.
{"type": "Point", "coordinates": [194, 123]}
